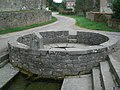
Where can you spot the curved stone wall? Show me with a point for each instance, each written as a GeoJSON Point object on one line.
{"type": "Point", "coordinates": [50, 55]}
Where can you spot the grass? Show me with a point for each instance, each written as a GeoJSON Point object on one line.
{"type": "Point", "coordinates": [10, 30]}
{"type": "Point", "coordinates": [86, 23]}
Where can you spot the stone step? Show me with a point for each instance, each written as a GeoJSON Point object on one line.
{"type": "Point", "coordinates": [4, 56]}
{"type": "Point", "coordinates": [6, 74]}
{"type": "Point", "coordinates": [77, 83]}
{"type": "Point", "coordinates": [72, 40]}
{"type": "Point", "coordinates": [107, 80]}
{"type": "Point", "coordinates": [4, 63]}
{"type": "Point", "coordinates": [115, 68]}
{"type": "Point", "coordinates": [96, 79]}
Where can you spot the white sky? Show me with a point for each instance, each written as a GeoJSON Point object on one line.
{"type": "Point", "coordinates": [58, 1]}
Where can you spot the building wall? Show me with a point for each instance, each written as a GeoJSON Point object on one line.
{"type": "Point", "coordinates": [16, 5]}
{"type": "Point", "coordinates": [10, 5]}
{"type": "Point", "coordinates": [44, 2]}
{"type": "Point", "coordinates": [14, 19]}
{"type": "Point", "coordinates": [70, 5]}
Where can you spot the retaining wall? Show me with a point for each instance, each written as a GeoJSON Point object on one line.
{"type": "Point", "coordinates": [14, 19]}
{"type": "Point", "coordinates": [98, 16]}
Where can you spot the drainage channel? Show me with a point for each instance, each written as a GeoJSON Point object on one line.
{"type": "Point", "coordinates": [21, 82]}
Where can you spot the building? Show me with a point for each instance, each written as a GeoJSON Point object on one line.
{"type": "Point", "coordinates": [70, 4]}
{"type": "Point", "coordinates": [105, 6]}
{"type": "Point", "coordinates": [16, 5]}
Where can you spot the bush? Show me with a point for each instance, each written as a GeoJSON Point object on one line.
{"type": "Point", "coordinates": [66, 12]}
{"type": "Point", "coordinates": [116, 9]}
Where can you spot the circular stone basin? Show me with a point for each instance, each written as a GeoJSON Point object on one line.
{"type": "Point", "coordinates": [55, 54]}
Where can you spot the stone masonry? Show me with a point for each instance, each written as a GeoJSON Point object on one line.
{"type": "Point", "coordinates": [23, 18]}
{"type": "Point", "coordinates": [26, 52]}
{"type": "Point", "coordinates": [17, 5]}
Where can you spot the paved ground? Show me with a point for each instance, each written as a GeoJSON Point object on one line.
{"type": "Point", "coordinates": [63, 23]}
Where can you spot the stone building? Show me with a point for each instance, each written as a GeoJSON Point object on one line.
{"type": "Point", "coordinates": [16, 5]}
{"type": "Point", "coordinates": [105, 6]}
{"type": "Point", "coordinates": [70, 4]}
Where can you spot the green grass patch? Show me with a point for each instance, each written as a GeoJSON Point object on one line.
{"type": "Point", "coordinates": [86, 23]}
{"type": "Point", "coordinates": [9, 30]}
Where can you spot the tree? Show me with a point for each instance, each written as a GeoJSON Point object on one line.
{"type": "Point", "coordinates": [116, 9]}
{"type": "Point", "coordinates": [63, 5]}
{"type": "Point", "coordinates": [83, 6]}
{"type": "Point", "coordinates": [53, 5]}
{"type": "Point", "coordinates": [49, 3]}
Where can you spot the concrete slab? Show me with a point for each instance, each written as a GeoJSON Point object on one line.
{"type": "Point", "coordinates": [96, 79]}
{"type": "Point", "coordinates": [77, 83]}
{"type": "Point", "coordinates": [6, 74]}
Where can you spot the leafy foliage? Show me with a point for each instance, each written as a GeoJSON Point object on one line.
{"type": "Point", "coordinates": [53, 5]}
{"type": "Point", "coordinates": [83, 6]}
{"type": "Point", "coordinates": [116, 9]}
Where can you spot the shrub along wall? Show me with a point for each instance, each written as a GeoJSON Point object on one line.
{"type": "Point", "coordinates": [23, 18]}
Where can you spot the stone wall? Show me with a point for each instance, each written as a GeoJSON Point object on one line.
{"type": "Point", "coordinates": [23, 18]}
{"type": "Point", "coordinates": [10, 5]}
{"type": "Point", "coordinates": [16, 5]}
{"type": "Point", "coordinates": [57, 62]}
{"type": "Point", "coordinates": [114, 23]}
{"type": "Point", "coordinates": [91, 38]}
{"type": "Point", "coordinates": [98, 16]}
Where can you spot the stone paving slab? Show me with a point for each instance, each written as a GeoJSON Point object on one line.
{"type": "Point", "coordinates": [116, 56]}
{"type": "Point", "coordinates": [108, 83]}
{"type": "Point", "coordinates": [115, 67]}
{"type": "Point", "coordinates": [6, 74]}
{"type": "Point", "coordinates": [96, 79]}
{"type": "Point", "coordinates": [77, 83]}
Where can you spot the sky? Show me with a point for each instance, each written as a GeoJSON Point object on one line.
{"type": "Point", "coordinates": [58, 1]}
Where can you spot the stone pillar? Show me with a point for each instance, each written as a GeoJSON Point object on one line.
{"type": "Point", "coordinates": [103, 5]}
{"type": "Point", "coordinates": [36, 42]}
